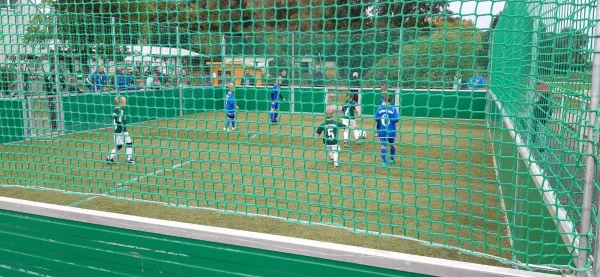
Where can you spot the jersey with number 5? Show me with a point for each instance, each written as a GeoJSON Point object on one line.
{"type": "Point", "coordinates": [386, 118]}
{"type": "Point", "coordinates": [330, 128]}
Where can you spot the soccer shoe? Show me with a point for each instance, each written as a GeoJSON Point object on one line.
{"type": "Point", "coordinates": [131, 162]}
{"type": "Point", "coordinates": [226, 129]}
{"type": "Point", "coordinates": [345, 144]}
{"type": "Point", "coordinates": [392, 161]}
{"type": "Point", "coordinates": [383, 164]}
{"type": "Point", "coordinates": [110, 161]}
{"type": "Point", "coordinates": [234, 129]}
{"type": "Point", "coordinates": [336, 165]}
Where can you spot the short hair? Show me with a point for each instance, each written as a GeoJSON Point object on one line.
{"type": "Point", "coordinates": [330, 110]}
{"type": "Point", "coordinates": [120, 99]}
{"type": "Point", "coordinates": [390, 99]}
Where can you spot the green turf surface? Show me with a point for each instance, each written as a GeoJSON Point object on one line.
{"type": "Point", "coordinates": [441, 190]}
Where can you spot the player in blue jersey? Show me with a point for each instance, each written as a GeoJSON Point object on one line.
{"type": "Point", "coordinates": [275, 97]}
{"type": "Point", "coordinates": [386, 118]}
{"type": "Point", "coordinates": [230, 108]}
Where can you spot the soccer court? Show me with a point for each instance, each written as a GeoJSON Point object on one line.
{"type": "Point", "coordinates": [441, 190]}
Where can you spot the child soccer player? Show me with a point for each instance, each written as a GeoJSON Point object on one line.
{"type": "Point", "coordinates": [330, 126]}
{"type": "Point", "coordinates": [384, 95]}
{"type": "Point", "coordinates": [386, 118]}
{"type": "Point", "coordinates": [230, 108]}
{"type": "Point", "coordinates": [121, 134]}
{"type": "Point", "coordinates": [275, 97]}
{"type": "Point", "coordinates": [350, 111]}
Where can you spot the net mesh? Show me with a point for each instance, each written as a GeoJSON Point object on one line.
{"type": "Point", "coordinates": [467, 88]}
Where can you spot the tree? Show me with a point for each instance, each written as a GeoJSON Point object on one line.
{"type": "Point", "coordinates": [483, 53]}
{"type": "Point", "coordinates": [431, 62]}
{"type": "Point", "coordinates": [561, 53]}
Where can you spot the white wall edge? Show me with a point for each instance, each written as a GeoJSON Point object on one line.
{"type": "Point", "coordinates": [324, 250]}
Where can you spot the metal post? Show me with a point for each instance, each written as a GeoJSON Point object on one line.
{"type": "Point", "coordinates": [292, 110]}
{"type": "Point", "coordinates": [223, 60]}
{"type": "Point", "coordinates": [59, 107]}
{"type": "Point", "coordinates": [115, 47]}
{"type": "Point", "coordinates": [531, 93]}
{"type": "Point", "coordinates": [398, 85]}
{"type": "Point", "coordinates": [177, 30]}
{"type": "Point", "coordinates": [589, 164]}
{"type": "Point", "coordinates": [399, 61]}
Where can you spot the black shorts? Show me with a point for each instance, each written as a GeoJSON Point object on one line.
{"type": "Point", "coordinates": [231, 115]}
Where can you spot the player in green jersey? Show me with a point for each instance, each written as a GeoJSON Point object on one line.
{"type": "Point", "coordinates": [350, 110]}
{"type": "Point", "coordinates": [121, 134]}
{"type": "Point", "coordinates": [330, 129]}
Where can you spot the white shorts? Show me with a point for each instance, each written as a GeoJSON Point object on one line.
{"type": "Point", "coordinates": [351, 123]}
{"type": "Point", "coordinates": [333, 148]}
{"type": "Point", "coordinates": [122, 137]}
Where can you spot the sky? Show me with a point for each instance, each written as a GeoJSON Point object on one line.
{"type": "Point", "coordinates": [479, 11]}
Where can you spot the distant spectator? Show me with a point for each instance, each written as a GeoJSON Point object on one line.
{"type": "Point", "coordinates": [542, 112]}
{"type": "Point", "coordinates": [476, 82]}
{"type": "Point", "coordinates": [124, 81]}
{"type": "Point", "coordinates": [248, 80]}
{"type": "Point", "coordinates": [156, 81]}
{"type": "Point", "coordinates": [185, 78]}
{"type": "Point", "coordinates": [96, 80]}
{"type": "Point", "coordinates": [457, 81]}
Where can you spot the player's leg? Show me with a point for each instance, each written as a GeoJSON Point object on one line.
{"type": "Point", "coordinates": [383, 150]}
{"type": "Point", "coordinates": [346, 131]}
{"type": "Point", "coordinates": [228, 120]}
{"type": "Point", "coordinates": [357, 132]}
{"type": "Point", "coordinates": [129, 149]}
{"type": "Point", "coordinates": [275, 112]}
{"type": "Point", "coordinates": [391, 142]}
{"type": "Point", "coordinates": [119, 144]}
{"type": "Point", "coordinates": [334, 154]}
{"type": "Point", "coordinates": [233, 122]}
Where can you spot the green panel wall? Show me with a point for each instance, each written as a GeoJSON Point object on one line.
{"type": "Point", "coordinates": [447, 104]}
{"type": "Point", "coordinates": [198, 100]}
{"type": "Point", "coordinates": [45, 246]}
{"type": "Point", "coordinates": [91, 111]}
{"type": "Point", "coordinates": [534, 233]}
{"type": "Point", "coordinates": [11, 120]}
{"type": "Point", "coordinates": [308, 100]}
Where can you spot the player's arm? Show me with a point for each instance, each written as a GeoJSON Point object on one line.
{"type": "Point", "coordinates": [281, 97]}
{"type": "Point", "coordinates": [319, 131]}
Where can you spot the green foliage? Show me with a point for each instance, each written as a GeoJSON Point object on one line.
{"type": "Point", "coordinates": [431, 62]}
{"type": "Point", "coordinates": [564, 52]}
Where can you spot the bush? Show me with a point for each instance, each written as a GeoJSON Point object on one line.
{"type": "Point", "coordinates": [431, 62]}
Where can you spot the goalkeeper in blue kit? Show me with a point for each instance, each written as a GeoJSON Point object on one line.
{"type": "Point", "coordinates": [230, 108]}
{"type": "Point", "coordinates": [275, 97]}
{"type": "Point", "coordinates": [386, 118]}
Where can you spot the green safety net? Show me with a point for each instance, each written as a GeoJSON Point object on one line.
{"type": "Point", "coordinates": [456, 124]}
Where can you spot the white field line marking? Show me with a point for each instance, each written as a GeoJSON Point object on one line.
{"type": "Point", "coordinates": [124, 186]}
